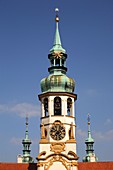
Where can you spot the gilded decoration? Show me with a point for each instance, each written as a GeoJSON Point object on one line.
{"type": "Point", "coordinates": [57, 55]}
{"type": "Point", "coordinates": [57, 147]}
{"type": "Point", "coordinates": [43, 134]}
{"type": "Point", "coordinates": [71, 135]}
{"type": "Point", "coordinates": [71, 153]}
{"type": "Point", "coordinates": [71, 156]}
{"type": "Point", "coordinates": [57, 158]}
{"type": "Point", "coordinates": [41, 154]}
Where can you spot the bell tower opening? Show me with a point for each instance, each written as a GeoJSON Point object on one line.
{"type": "Point", "coordinates": [46, 106]}
{"type": "Point", "coordinates": [57, 106]}
{"type": "Point", "coordinates": [69, 107]}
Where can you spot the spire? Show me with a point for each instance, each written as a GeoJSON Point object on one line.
{"type": "Point", "coordinates": [57, 81]}
{"type": "Point", "coordinates": [26, 146]}
{"type": "Point", "coordinates": [57, 46]}
{"type": "Point", "coordinates": [90, 155]}
{"type": "Point", "coordinates": [26, 133]}
{"type": "Point", "coordinates": [90, 139]}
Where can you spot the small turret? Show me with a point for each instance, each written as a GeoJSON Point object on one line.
{"type": "Point", "coordinates": [26, 158]}
{"type": "Point", "coordinates": [90, 155]}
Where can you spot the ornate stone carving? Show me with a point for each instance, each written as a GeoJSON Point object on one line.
{"type": "Point", "coordinates": [57, 147]}
{"type": "Point", "coordinates": [43, 136]}
{"type": "Point", "coordinates": [41, 154]}
{"type": "Point", "coordinates": [71, 135]}
{"type": "Point", "coordinates": [57, 158]}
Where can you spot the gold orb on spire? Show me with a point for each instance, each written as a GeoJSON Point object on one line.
{"type": "Point", "coordinates": [88, 119]}
{"type": "Point", "coordinates": [57, 18]}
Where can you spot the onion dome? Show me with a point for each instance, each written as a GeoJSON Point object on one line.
{"type": "Point", "coordinates": [57, 81]}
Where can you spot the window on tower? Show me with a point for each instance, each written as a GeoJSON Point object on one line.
{"type": "Point", "coordinates": [57, 106]}
{"type": "Point", "coordinates": [62, 62]}
{"type": "Point", "coordinates": [57, 62]}
{"type": "Point", "coordinates": [69, 107]}
{"type": "Point", "coordinates": [52, 62]}
{"type": "Point", "coordinates": [46, 106]}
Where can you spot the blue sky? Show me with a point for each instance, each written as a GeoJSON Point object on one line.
{"type": "Point", "coordinates": [26, 36]}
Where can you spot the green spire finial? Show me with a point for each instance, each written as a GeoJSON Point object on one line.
{"type": "Point", "coordinates": [90, 139]}
{"type": "Point", "coordinates": [89, 132]}
{"type": "Point", "coordinates": [26, 133]}
{"type": "Point", "coordinates": [90, 155]}
{"type": "Point", "coordinates": [26, 146]}
{"type": "Point", "coordinates": [57, 46]}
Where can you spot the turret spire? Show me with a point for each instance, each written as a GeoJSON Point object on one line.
{"type": "Point", "coordinates": [26, 158]}
{"type": "Point", "coordinates": [89, 131]}
{"type": "Point", "coordinates": [26, 133]}
{"type": "Point", "coordinates": [57, 46]}
{"type": "Point", "coordinates": [90, 155]}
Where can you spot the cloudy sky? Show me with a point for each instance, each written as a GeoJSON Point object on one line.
{"type": "Point", "coordinates": [26, 36]}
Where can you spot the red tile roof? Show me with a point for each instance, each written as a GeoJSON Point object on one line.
{"type": "Point", "coordinates": [18, 166]}
{"type": "Point", "coordinates": [95, 166]}
{"type": "Point", "coordinates": [81, 166]}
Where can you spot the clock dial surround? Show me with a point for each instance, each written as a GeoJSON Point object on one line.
{"type": "Point", "coordinates": [57, 132]}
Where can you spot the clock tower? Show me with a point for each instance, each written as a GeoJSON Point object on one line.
{"type": "Point", "coordinates": [57, 146]}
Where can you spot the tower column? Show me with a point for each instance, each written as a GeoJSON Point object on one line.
{"type": "Point", "coordinates": [42, 110]}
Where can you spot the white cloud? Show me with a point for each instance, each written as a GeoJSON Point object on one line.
{"type": "Point", "coordinates": [108, 122]}
{"type": "Point", "coordinates": [21, 109]}
{"type": "Point", "coordinates": [96, 135]}
{"type": "Point", "coordinates": [16, 141]}
{"type": "Point", "coordinates": [81, 133]}
{"type": "Point", "coordinates": [106, 136]}
{"type": "Point", "coordinates": [92, 92]}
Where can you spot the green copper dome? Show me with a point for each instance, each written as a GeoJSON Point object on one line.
{"type": "Point", "coordinates": [57, 83]}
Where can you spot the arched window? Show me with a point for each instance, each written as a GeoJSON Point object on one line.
{"type": "Point", "coordinates": [69, 106]}
{"type": "Point", "coordinates": [46, 106]}
{"type": "Point", "coordinates": [58, 62]}
{"type": "Point", "coordinates": [57, 106]}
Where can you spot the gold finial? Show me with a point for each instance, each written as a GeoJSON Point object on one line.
{"type": "Point", "coordinates": [88, 119]}
{"type": "Point", "coordinates": [57, 18]}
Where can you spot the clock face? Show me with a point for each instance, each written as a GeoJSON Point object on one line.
{"type": "Point", "coordinates": [57, 132]}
